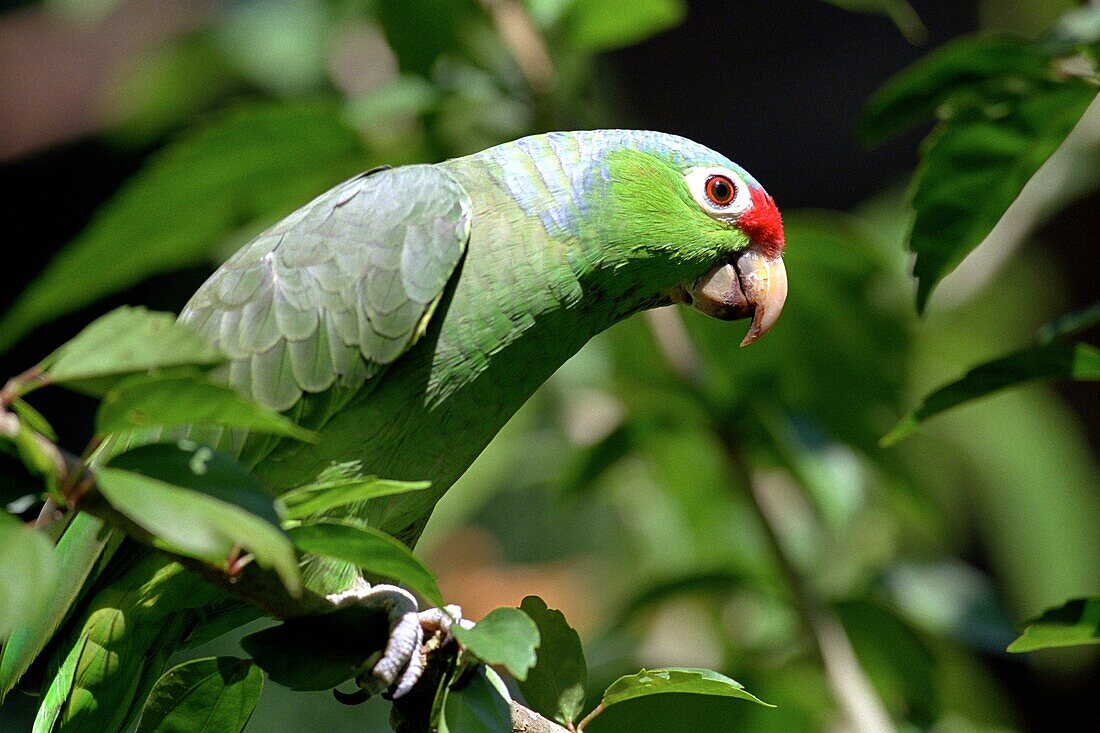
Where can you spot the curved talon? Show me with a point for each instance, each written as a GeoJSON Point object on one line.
{"type": "Point", "coordinates": [412, 673]}
{"type": "Point", "coordinates": [399, 667]}
{"type": "Point", "coordinates": [406, 638]}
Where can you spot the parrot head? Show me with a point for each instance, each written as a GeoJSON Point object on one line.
{"type": "Point", "coordinates": [712, 234]}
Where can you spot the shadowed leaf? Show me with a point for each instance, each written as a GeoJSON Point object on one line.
{"type": "Point", "coordinates": [900, 13]}
{"type": "Point", "coordinates": [555, 685]}
{"type": "Point", "coordinates": [211, 694]}
{"type": "Point", "coordinates": [479, 706]}
{"type": "Point", "coordinates": [1079, 362]}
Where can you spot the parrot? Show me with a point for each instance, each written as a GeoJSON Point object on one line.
{"type": "Point", "coordinates": [405, 315]}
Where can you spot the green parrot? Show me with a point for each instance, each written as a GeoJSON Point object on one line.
{"type": "Point", "coordinates": [405, 315]}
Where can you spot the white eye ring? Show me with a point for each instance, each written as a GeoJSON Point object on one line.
{"type": "Point", "coordinates": [697, 179]}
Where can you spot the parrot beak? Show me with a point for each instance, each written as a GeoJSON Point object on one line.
{"type": "Point", "coordinates": [754, 286]}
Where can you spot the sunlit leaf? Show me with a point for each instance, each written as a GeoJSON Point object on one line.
{"type": "Point", "coordinates": [373, 551]}
{"type": "Point", "coordinates": [30, 572]}
{"type": "Point", "coordinates": [145, 401]}
{"type": "Point", "coordinates": [49, 710]}
{"type": "Point", "coordinates": [675, 679]}
{"type": "Point", "coordinates": [1072, 624]}
{"type": "Point", "coordinates": [125, 341]}
{"type": "Point", "coordinates": [200, 504]}
{"type": "Point", "coordinates": [211, 694]}
{"type": "Point", "coordinates": [1049, 361]}
{"type": "Point", "coordinates": [555, 686]}
{"type": "Point", "coordinates": [252, 164]}
{"type": "Point", "coordinates": [506, 636]}
{"type": "Point", "coordinates": [604, 25]}
{"type": "Point", "coordinates": [75, 558]}
{"type": "Point", "coordinates": [325, 495]}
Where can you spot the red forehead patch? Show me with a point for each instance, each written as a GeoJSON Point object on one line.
{"type": "Point", "coordinates": [763, 224]}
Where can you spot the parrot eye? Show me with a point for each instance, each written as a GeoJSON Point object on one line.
{"type": "Point", "coordinates": [720, 190]}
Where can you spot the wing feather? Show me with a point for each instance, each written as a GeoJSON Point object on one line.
{"type": "Point", "coordinates": [338, 289]}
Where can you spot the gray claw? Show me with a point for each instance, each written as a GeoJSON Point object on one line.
{"type": "Point", "coordinates": [403, 660]}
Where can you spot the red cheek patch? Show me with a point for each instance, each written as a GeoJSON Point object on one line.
{"type": "Point", "coordinates": [763, 223]}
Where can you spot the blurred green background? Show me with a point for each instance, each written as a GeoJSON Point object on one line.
{"type": "Point", "coordinates": [156, 136]}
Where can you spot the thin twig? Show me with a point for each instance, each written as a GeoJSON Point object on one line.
{"type": "Point", "coordinates": [521, 37]}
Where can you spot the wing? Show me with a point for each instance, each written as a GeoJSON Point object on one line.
{"type": "Point", "coordinates": [338, 289]}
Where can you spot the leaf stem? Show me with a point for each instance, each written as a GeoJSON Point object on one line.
{"type": "Point", "coordinates": [588, 718]}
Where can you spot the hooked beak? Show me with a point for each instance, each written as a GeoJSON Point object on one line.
{"type": "Point", "coordinates": [755, 286]}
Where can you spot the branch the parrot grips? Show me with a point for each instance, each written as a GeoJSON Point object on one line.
{"type": "Point", "coordinates": [755, 286]}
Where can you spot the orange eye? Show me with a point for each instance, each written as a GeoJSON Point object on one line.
{"type": "Point", "coordinates": [720, 190]}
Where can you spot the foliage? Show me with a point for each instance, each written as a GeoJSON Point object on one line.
{"type": "Point", "coordinates": [1075, 622]}
{"type": "Point", "coordinates": [217, 693]}
{"type": "Point", "coordinates": [669, 497]}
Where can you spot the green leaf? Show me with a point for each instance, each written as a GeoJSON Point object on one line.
{"type": "Point", "coordinates": [1003, 108]}
{"type": "Point", "coordinates": [479, 706]}
{"type": "Point", "coordinates": [250, 165]}
{"type": "Point", "coordinates": [675, 679]}
{"type": "Point", "coordinates": [319, 652]}
{"type": "Point", "coordinates": [125, 341]}
{"type": "Point", "coordinates": [974, 165]}
{"type": "Point", "coordinates": [214, 694]}
{"type": "Point", "coordinates": [199, 504]}
{"type": "Point", "coordinates": [555, 686]}
{"type": "Point", "coordinates": [506, 636]}
{"type": "Point", "coordinates": [900, 13]}
{"type": "Point", "coordinates": [34, 456]}
{"type": "Point", "coordinates": [1080, 362]}
{"type": "Point", "coordinates": [914, 94]}
{"type": "Point", "coordinates": [30, 572]}
{"type": "Point", "coordinates": [604, 25]}
{"type": "Point", "coordinates": [33, 418]}
{"type": "Point", "coordinates": [370, 549]}
{"type": "Point", "coordinates": [326, 495]}
{"type": "Point", "coordinates": [75, 556]}
{"type": "Point", "coordinates": [1072, 624]}
{"type": "Point", "coordinates": [49, 710]}
{"type": "Point", "coordinates": [145, 401]}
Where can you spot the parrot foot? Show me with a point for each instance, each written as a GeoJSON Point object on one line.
{"type": "Point", "coordinates": [413, 634]}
